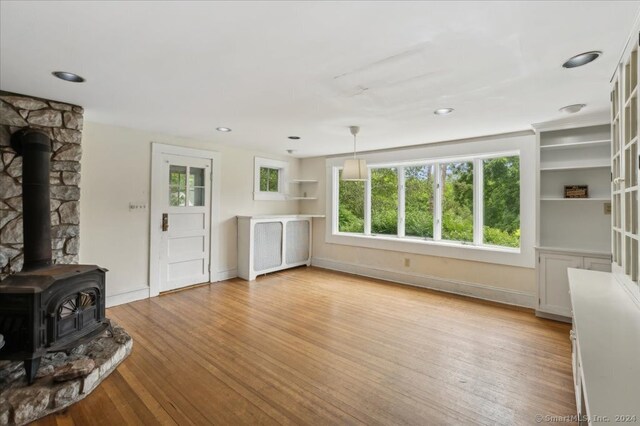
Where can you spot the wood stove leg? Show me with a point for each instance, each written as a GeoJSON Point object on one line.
{"type": "Point", "coordinates": [31, 367]}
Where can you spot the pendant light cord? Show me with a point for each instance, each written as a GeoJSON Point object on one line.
{"type": "Point", "coordinates": [354, 131]}
{"type": "Point", "coordinates": [354, 147]}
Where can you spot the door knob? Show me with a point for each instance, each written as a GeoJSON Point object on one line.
{"type": "Point", "coordinates": [165, 222]}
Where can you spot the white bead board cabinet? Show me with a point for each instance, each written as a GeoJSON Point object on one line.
{"type": "Point", "coordinates": [605, 349]}
{"type": "Point", "coordinates": [270, 243]}
{"type": "Point", "coordinates": [572, 233]}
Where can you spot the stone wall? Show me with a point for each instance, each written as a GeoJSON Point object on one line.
{"type": "Point", "coordinates": [63, 124]}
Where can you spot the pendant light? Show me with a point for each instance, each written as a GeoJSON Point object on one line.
{"type": "Point", "coordinates": [354, 169]}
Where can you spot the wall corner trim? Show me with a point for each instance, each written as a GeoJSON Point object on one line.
{"type": "Point", "coordinates": [478, 291]}
{"type": "Point", "coordinates": [227, 275]}
{"type": "Point", "coordinates": [127, 297]}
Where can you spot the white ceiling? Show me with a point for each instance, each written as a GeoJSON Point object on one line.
{"type": "Point", "coordinates": [273, 69]}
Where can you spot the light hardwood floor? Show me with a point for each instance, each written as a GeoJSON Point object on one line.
{"type": "Point", "coordinates": [311, 346]}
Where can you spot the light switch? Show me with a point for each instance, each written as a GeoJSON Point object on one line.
{"type": "Point", "coordinates": [137, 207]}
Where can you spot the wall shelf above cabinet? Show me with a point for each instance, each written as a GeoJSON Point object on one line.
{"type": "Point", "coordinates": [299, 181]}
{"type": "Point", "coordinates": [604, 142]}
{"type": "Point", "coordinates": [575, 199]}
{"type": "Point", "coordinates": [576, 167]}
{"type": "Point", "coordinates": [302, 198]}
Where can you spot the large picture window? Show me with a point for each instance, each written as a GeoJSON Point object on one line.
{"type": "Point", "coordinates": [473, 201]}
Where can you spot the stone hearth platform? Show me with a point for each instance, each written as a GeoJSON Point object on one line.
{"type": "Point", "coordinates": [62, 379]}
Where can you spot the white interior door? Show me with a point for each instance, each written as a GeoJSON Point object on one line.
{"type": "Point", "coordinates": [185, 208]}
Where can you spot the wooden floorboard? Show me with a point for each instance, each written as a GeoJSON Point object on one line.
{"type": "Point", "coordinates": [312, 346]}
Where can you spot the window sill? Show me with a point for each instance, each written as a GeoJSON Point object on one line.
{"type": "Point", "coordinates": [452, 249]}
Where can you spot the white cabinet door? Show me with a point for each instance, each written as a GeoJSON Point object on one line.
{"type": "Point", "coordinates": [554, 282]}
{"type": "Point", "coordinates": [597, 264]}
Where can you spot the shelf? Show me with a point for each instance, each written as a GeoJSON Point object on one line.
{"type": "Point", "coordinates": [631, 142]}
{"type": "Point", "coordinates": [575, 199]}
{"type": "Point", "coordinates": [575, 145]}
{"type": "Point", "coordinates": [606, 165]}
{"type": "Point", "coordinates": [296, 181]}
{"type": "Point", "coordinates": [578, 251]}
{"type": "Point", "coordinates": [631, 96]}
{"type": "Point", "coordinates": [302, 198]}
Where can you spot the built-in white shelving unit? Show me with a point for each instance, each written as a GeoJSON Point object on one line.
{"type": "Point", "coordinates": [606, 306]}
{"type": "Point", "coordinates": [625, 131]}
{"type": "Point", "coordinates": [303, 189]}
{"type": "Point", "coordinates": [572, 232]}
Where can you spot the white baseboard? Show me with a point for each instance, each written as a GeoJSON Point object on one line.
{"type": "Point", "coordinates": [128, 296]}
{"type": "Point", "coordinates": [227, 275]}
{"type": "Point", "coordinates": [144, 292]}
{"type": "Point", "coordinates": [479, 291]}
{"type": "Point", "coordinates": [554, 317]}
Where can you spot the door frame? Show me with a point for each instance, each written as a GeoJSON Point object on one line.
{"type": "Point", "coordinates": [155, 231]}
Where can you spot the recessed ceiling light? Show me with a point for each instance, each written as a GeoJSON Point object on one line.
{"type": "Point", "coordinates": [582, 59]}
{"type": "Point", "coordinates": [223, 129]}
{"type": "Point", "coordinates": [295, 138]}
{"type": "Point", "coordinates": [571, 109]}
{"type": "Point", "coordinates": [68, 76]}
{"type": "Point", "coordinates": [443, 111]}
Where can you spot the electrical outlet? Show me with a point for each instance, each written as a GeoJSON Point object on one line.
{"type": "Point", "coordinates": [407, 262]}
{"type": "Point", "coordinates": [607, 208]}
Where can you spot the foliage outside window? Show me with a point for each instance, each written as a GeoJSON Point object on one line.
{"type": "Point", "coordinates": [269, 179]}
{"type": "Point", "coordinates": [351, 206]}
{"type": "Point", "coordinates": [437, 201]}
{"type": "Point", "coordinates": [457, 201]}
{"type": "Point", "coordinates": [384, 201]}
{"type": "Point", "coordinates": [502, 201]}
{"type": "Point", "coordinates": [419, 193]}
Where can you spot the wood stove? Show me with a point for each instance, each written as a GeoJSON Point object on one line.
{"type": "Point", "coordinates": [46, 307]}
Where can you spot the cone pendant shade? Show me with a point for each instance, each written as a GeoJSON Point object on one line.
{"type": "Point", "coordinates": [354, 169]}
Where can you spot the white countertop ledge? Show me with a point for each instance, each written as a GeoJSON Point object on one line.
{"type": "Point", "coordinates": [281, 216]}
{"type": "Point", "coordinates": [607, 325]}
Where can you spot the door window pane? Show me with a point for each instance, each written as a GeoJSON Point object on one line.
{"type": "Point", "coordinates": [269, 179]}
{"type": "Point", "coordinates": [502, 201]}
{"type": "Point", "coordinates": [457, 201]}
{"type": "Point", "coordinates": [384, 201]}
{"type": "Point", "coordinates": [177, 185]}
{"type": "Point", "coordinates": [196, 186]}
{"type": "Point", "coordinates": [419, 201]}
{"type": "Point", "coordinates": [350, 205]}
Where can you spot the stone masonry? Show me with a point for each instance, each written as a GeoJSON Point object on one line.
{"type": "Point", "coordinates": [63, 124]}
{"type": "Point", "coordinates": [62, 379]}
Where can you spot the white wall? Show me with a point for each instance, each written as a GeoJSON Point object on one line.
{"type": "Point", "coordinates": [500, 282]}
{"type": "Point", "coordinates": [116, 170]}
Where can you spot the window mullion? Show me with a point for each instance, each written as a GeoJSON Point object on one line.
{"type": "Point", "coordinates": [437, 214]}
{"type": "Point", "coordinates": [187, 187]}
{"type": "Point", "coordinates": [335, 200]}
{"type": "Point", "coordinates": [478, 204]}
{"type": "Point", "coordinates": [367, 204]}
{"type": "Point", "coordinates": [401, 203]}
